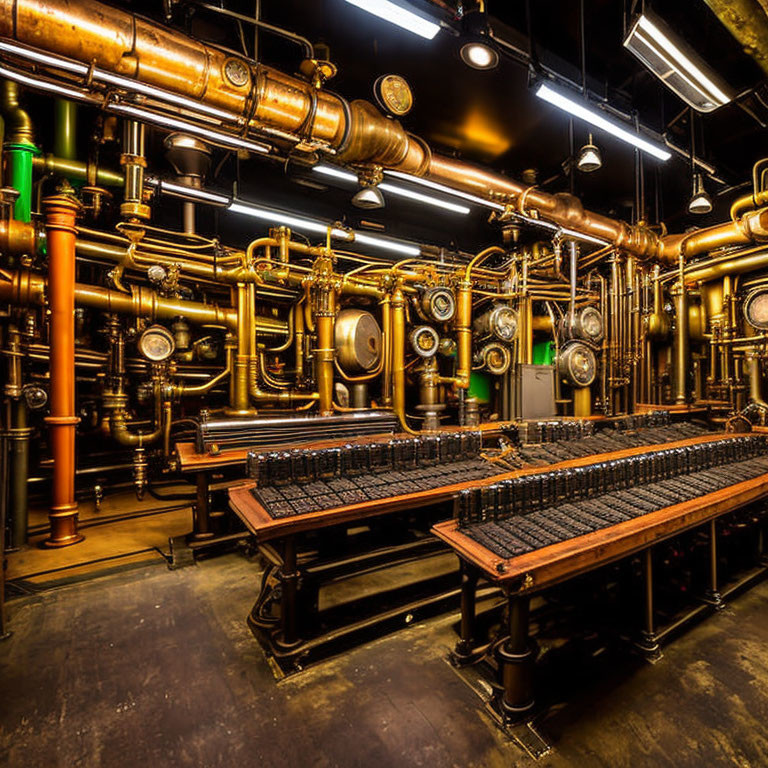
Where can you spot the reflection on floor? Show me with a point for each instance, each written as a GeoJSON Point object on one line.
{"type": "Point", "coordinates": [157, 667]}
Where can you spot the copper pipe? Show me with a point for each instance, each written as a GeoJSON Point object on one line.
{"type": "Point", "coordinates": [60, 214]}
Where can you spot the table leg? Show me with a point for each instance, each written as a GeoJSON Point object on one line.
{"type": "Point", "coordinates": [516, 662]}
{"type": "Point", "coordinates": [202, 511]}
{"type": "Point", "coordinates": [289, 573]}
{"type": "Point", "coordinates": [649, 643]}
{"type": "Point", "coordinates": [462, 654]}
{"type": "Point", "coordinates": [712, 595]}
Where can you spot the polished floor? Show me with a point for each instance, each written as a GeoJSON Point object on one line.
{"type": "Point", "coordinates": [151, 667]}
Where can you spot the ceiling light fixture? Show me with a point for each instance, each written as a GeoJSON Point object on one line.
{"type": "Point", "coordinates": [589, 158]}
{"type": "Point", "coordinates": [478, 50]}
{"type": "Point", "coordinates": [397, 14]}
{"type": "Point", "coordinates": [479, 55]}
{"type": "Point", "coordinates": [679, 67]}
{"type": "Point", "coordinates": [576, 106]}
{"type": "Point", "coordinates": [700, 201]}
{"type": "Point", "coordinates": [393, 189]}
{"type": "Point", "coordinates": [368, 197]}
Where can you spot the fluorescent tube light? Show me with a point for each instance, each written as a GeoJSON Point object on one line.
{"type": "Point", "coordinates": [575, 106]}
{"type": "Point", "coordinates": [43, 85]}
{"type": "Point", "coordinates": [445, 190]}
{"type": "Point", "coordinates": [426, 199]}
{"type": "Point", "coordinates": [393, 189]}
{"type": "Point", "coordinates": [100, 75]}
{"type": "Point", "coordinates": [312, 225]}
{"type": "Point", "coordinates": [174, 124]}
{"type": "Point", "coordinates": [680, 68]}
{"type": "Point", "coordinates": [387, 245]}
{"type": "Point", "coordinates": [396, 14]}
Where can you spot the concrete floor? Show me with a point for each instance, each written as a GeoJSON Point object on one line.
{"type": "Point", "coordinates": [152, 667]}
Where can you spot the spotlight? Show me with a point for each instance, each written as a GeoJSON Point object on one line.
{"type": "Point", "coordinates": [479, 55]}
{"type": "Point", "coordinates": [478, 51]}
{"type": "Point", "coordinates": [368, 198]}
{"type": "Point", "coordinates": [700, 200]}
{"type": "Point", "coordinates": [589, 158]}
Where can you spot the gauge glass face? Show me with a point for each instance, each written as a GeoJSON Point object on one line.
{"type": "Point", "coordinates": [425, 341]}
{"type": "Point", "coordinates": [442, 305]}
{"type": "Point", "coordinates": [504, 323]}
{"type": "Point", "coordinates": [156, 345]}
{"type": "Point", "coordinates": [756, 310]}
{"type": "Point", "coordinates": [394, 94]}
{"type": "Point", "coordinates": [497, 359]}
{"type": "Point", "coordinates": [581, 364]}
{"type": "Point", "coordinates": [592, 323]}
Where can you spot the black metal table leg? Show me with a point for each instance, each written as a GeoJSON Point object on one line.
{"type": "Point", "coordinates": [287, 638]}
{"type": "Point", "coordinates": [462, 653]}
{"type": "Point", "coordinates": [712, 595]}
{"type": "Point", "coordinates": [516, 663]}
{"type": "Point", "coordinates": [649, 642]}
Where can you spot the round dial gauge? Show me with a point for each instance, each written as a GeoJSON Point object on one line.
{"type": "Point", "coordinates": [156, 344]}
{"type": "Point", "coordinates": [577, 364]}
{"type": "Point", "coordinates": [591, 324]}
{"type": "Point", "coordinates": [756, 309]}
{"type": "Point", "coordinates": [424, 340]}
{"type": "Point", "coordinates": [393, 94]}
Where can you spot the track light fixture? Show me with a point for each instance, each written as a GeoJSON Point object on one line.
{"type": "Point", "coordinates": [478, 50]}
{"type": "Point", "coordinates": [589, 158]}
{"type": "Point", "coordinates": [368, 198]}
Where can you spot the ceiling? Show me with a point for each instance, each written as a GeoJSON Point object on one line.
{"type": "Point", "coordinates": [493, 118]}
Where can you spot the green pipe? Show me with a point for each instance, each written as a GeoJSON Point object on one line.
{"type": "Point", "coordinates": [20, 148]}
{"type": "Point", "coordinates": [65, 139]}
{"type": "Point", "coordinates": [20, 173]}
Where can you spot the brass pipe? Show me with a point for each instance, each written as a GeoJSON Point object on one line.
{"type": "Point", "coordinates": [74, 169]}
{"type": "Point", "coordinates": [298, 325]}
{"type": "Point", "coordinates": [582, 402]}
{"type": "Point", "coordinates": [681, 337]}
{"type": "Point", "coordinates": [60, 214]}
{"type": "Point", "coordinates": [398, 355]}
{"type": "Point", "coordinates": [386, 352]}
{"type": "Point", "coordinates": [324, 353]}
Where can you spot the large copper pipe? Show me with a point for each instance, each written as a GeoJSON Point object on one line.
{"type": "Point", "coordinates": [325, 320]}
{"type": "Point", "coordinates": [120, 42]}
{"type": "Point", "coordinates": [60, 214]}
{"type": "Point", "coordinates": [266, 99]}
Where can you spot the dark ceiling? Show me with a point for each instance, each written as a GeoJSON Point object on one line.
{"type": "Point", "coordinates": [493, 118]}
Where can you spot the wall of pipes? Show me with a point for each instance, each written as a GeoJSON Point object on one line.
{"type": "Point", "coordinates": [118, 334]}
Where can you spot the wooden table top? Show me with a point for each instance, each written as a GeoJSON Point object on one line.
{"type": "Point", "coordinates": [566, 559]}
{"type": "Point", "coordinates": [259, 522]}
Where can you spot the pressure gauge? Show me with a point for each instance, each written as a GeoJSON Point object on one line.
{"type": "Point", "coordinates": [437, 304]}
{"type": "Point", "coordinates": [577, 364]}
{"type": "Point", "coordinates": [156, 344]}
{"type": "Point", "coordinates": [496, 358]}
{"type": "Point", "coordinates": [756, 309]}
{"type": "Point", "coordinates": [425, 341]}
{"type": "Point", "coordinates": [393, 94]}
{"type": "Point", "coordinates": [500, 322]}
{"type": "Point", "coordinates": [589, 324]}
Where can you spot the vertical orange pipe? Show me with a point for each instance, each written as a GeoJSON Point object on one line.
{"type": "Point", "coordinates": [60, 214]}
